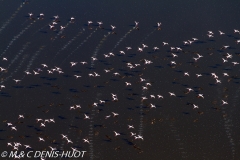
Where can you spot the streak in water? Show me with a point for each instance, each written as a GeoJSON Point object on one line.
{"type": "Point", "coordinates": [11, 18]}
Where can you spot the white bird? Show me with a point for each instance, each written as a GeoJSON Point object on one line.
{"type": "Point", "coordinates": [144, 98]}
{"type": "Point", "coordinates": [64, 136]}
{"type": "Point", "coordinates": [198, 75]}
{"type": "Point", "coordinates": [136, 23]}
{"type": "Point", "coordinates": [90, 22]}
{"type": "Point", "coordinates": [73, 63]}
{"type": "Point", "coordinates": [234, 63]}
{"type": "Point", "coordinates": [172, 94]}
{"type": "Point", "coordinates": [225, 47]}
{"type": "Point", "coordinates": [115, 99]}
{"type": "Point", "coordinates": [56, 17]}
{"type": "Point", "coordinates": [72, 107]}
{"type": "Point", "coordinates": [140, 49]}
{"type": "Point", "coordinates": [210, 32]}
{"type": "Point", "coordinates": [221, 33]}
{"type": "Point", "coordinates": [218, 81]}
{"type": "Point", "coordinates": [50, 72]}
{"type": "Point", "coordinates": [106, 56]}
{"type": "Point", "coordinates": [185, 42]}
{"type": "Point", "coordinates": [141, 79]}
{"type": "Point", "coordinates": [115, 114]}
{"type": "Point", "coordinates": [129, 48]}
{"type": "Point", "coordinates": [96, 74]}
{"type": "Point", "coordinates": [155, 48]}
{"type": "Point", "coordinates": [62, 27]}
{"type": "Point", "coordinates": [165, 43]}
{"type": "Point", "coordinates": [229, 55]}
{"type": "Point", "coordinates": [106, 70]}
{"type": "Point", "coordinates": [144, 46]}
{"type": "Point", "coordinates": [236, 31]}
{"type": "Point", "coordinates": [27, 72]}
{"type": "Point", "coordinates": [224, 102]}
{"type": "Point", "coordinates": [132, 134]}
{"type": "Point", "coordinates": [152, 96]}
{"type": "Point", "coordinates": [116, 134]}
{"type": "Point", "coordinates": [224, 60]}
{"type": "Point", "coordinates": [86, 141]}
{"type": "Point", "coordinates": [152, 105]}
{"type": "Point", "coordinates": [35, 73]}
{"type": "Point", "coordinates": [94, 58]}
{"type": "Point", "coordinates": [77, 76]}
{"type": "Point", "coordinates": [199, 56]}
{"type": "Point", "coordinates": [91, 75]}
{"type": "Point", "coordinates": [111, 54]}
{"type": "Point", "coordinates": [77, 106]}
{"type": "Point", "coordinates": [114, 95]}
{"type": "Point", "coordinates": [51, 26]}
{"type": "Point", "coordinates": [41, 139]}
{"type": "Point", "coordinates": [174, 55]}
{"type": "Point", "coordinates": [83, 63]}
{"type": "Point", "coordinates": [130, 126]}
{"type": "Point", "coordinates": [53, 149]}
{"type": "Point", "coordinates": [116, 73]}
{"type": "Point", "coordinates": [128, 84]}
{"type": "Point", "coordinates": [138, 137]}
{"type": "Point", "coordinates": [2, 69]}
{"type": "Point", "coordinates": [113, 27]}
{"type": "Point", "coordinates": [52, 120]}
{"type": "Point", "coordinates": [16, 80]}
{"type": "Point", "coordinates": [9, 144]}
{"type": "Point", "coordinates": [74, 149]}
{"type": "Point", "coordinates": [189, 89]}
{"type": "Point", "coordinates": [2, 86]}
{"type": "Point", "coordinates": [190, 42]}
{"type": "Point", "coordinates": [27, 146]}
{"type": "Point", "coordinates": [195, 59]}
{"type": "Point", "coordinates": [179, 49]}
{"type": "Point", "coordinates": [100, 23]}
{"type": "Point", "coordinates": [20, 116]}
{"type": "Point", "coordinates": [95, 104]}
{"type": "Point", "coordinates": [195, 39]}
{"type": "Point", "coordinates": [200, 96]}
{"type": "Point", "coordinates": [38, 119]}
{"type": "Point", "coordinates": [30, 14]}
{"type": "Point", "coordinates": [86, 116]}
{"type": "Point", "coordinates": [14, 128]}
{"type": "Point", "coordinates": [107, 116]}
{"type": "Point", "coordinates": [225, 74]}
{"type": "Point", "coordinates": [148, 84]}
{"type": "Point", "coordinates": [195, 106]}
{"type": "Point", "coordinates": [122, 52]}
{"type": "Point", "coordinates": [44, 65]}
{"type": "Point", "coordinates": [210, 35]}
{"type": "Point", "coordinates": [69, 141]}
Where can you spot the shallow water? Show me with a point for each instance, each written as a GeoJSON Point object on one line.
{"type": "Point", "coordinates": [172, 130]}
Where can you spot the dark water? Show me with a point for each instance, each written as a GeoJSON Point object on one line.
{"type": "Point", "coordinates": [172, 130]}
